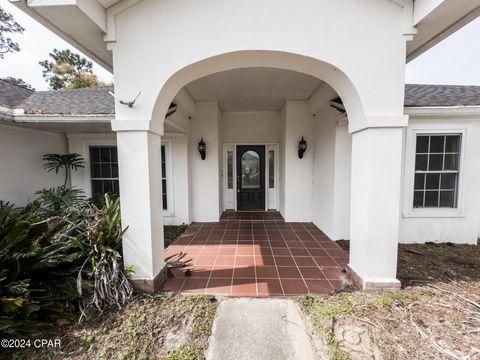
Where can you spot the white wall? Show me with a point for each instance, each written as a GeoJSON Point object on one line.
{"type": "Point", "coordinates": [220, 160]}
{"type": "Point", "coordinates": [298, 173]}
{"type": "Point", "coordinates": [461, 226]}
{"type": "Point", "coordinates": [205, 181]}
{"type": "Point", "coordinates": [180, 210]}
{"type": "Point", "coordinates": [282, 164]}
{"type": "Point", "coordinates": [324, 170]}
{"type": "Point", "coordinates": [177, 168]}
{"type": "Point", "coordinates": [343, 167]}
{"type": "Point", "coordinates": [331, 179]}
{"type": "Point", "coordinates": [251, 127]}
{"type": "Point", "coordinates": [343, 58]}
{"type": "Point", "coordinates": [21, 164]}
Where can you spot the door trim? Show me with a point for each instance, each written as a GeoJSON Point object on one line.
{"type": "Point", "coordinates": [254, 198]}
{"type": "Point", "coordinates": [227, 205]}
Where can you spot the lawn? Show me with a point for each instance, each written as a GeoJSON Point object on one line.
{"type": "Point", "coordinates": [436, 315]}
{"type": "Point", "coordinates": [160, 327]}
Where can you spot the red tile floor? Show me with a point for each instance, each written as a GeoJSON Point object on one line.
{"type": "Point", "coordinates": [259, 256]}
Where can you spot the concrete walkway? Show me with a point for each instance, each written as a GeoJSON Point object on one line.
{"type": "Point", "coordinates": [263, 329]}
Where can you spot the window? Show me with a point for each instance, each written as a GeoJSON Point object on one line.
{"type": "Point", "coordinates": [229, 169]}
{"type": "Point", "coordinates": [164, 179]}
{"type": "Point", "coordinates": [271, 169]}
{"type": "Point", "coordinates": [437, 164]}
{"type": "Point", "coordinates": [104, 169]}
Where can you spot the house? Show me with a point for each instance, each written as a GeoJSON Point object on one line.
{"type": "Point", "coordinates": [261, 105]}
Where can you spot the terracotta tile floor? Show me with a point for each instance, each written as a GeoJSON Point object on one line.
{"type": "Point", "coordinates": [268, 216]}
{"type": "Point", "coordinates": [256, 258]}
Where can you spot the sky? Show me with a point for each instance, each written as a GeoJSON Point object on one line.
{"type": "Point", "coordinates": [454, 61]}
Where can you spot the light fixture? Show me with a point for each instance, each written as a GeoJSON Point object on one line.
{"type": "Point", "coordinates": [202, 149]}
{"type": "Point", "coordinates": [302, 146]}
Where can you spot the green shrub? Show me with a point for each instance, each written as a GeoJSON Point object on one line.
{"type": "Point", "coordinates": [58, 254]}
{"type": "Point", "coordinates": [37, 273]}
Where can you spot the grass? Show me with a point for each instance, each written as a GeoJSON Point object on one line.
{"type": "Point", "coordinates": [171, 232]}
{"type": "Point", "coordinates": [165, 326]}
{"type": "Point", "coordinates": [390, 297]}
{"type": "Point", "coordinates": [187, 352]}
{"type": "Point", "coordinates": [431, 316]}
{"type": "Point", "coordinates": [322, 311]}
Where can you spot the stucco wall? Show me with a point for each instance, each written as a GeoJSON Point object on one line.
{"type": "Point", "coordinates": [21, 164]}
{"type": "Point", "coordinates": [324, 174]}
{"type": "Point", "coordinates": [205, 182]}
{"type": "Point", "coordinates": [281, 166]}
{"type": "Point", "coordinates": [251, 127]}
{"type": "Point", "coordinates": [331, 179]}
{"type": "Point", "coordinates": [367, 88]}
{"type": "Point", "coordinates": [343, 166]}
{"type": "Point", "coordinates": [463, 228]}
{"type": "Point", "coordinates": [298, 173]}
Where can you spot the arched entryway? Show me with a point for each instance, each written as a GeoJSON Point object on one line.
{"type": "Point", "coordinates": [297, 199]}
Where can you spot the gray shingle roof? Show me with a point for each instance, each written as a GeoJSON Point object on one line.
{"type": "Point", "coordinates": [98, 100]}
{"type": "Point", "coordinates": [77, 101]}
{"type": "Point", "coordinates": [441, 95]}
{"type": "Point", "coordinates": [11, 95]}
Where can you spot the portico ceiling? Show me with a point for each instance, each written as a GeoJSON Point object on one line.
{"type": "Point", "coordinates": [253, 89]}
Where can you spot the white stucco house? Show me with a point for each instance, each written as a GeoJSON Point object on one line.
{"type": "Point", "coordinates": [301, 107]}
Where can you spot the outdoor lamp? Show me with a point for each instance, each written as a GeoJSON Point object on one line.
{"type": "Point", "coordinates": [302, 146]}
{"type": "Point", "coordinates": [202, 148]}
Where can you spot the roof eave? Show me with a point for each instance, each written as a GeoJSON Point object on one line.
{"type": "Point", "coordinates": [444, 111]}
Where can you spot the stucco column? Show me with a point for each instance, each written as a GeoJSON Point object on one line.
{"type": "Point", "coordinates": [140, 171]}
{"type": "Point", "coordinates": [375, 206]}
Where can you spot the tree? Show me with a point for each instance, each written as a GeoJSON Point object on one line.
{"type": "Point", "coordinates": [63, 161]}
{"type": "Point", "coordinates": [8, 25]}
{"type": "Point", "coordinates": [67, 70]}
{"type": "Point", "coordinates": [19, 82]}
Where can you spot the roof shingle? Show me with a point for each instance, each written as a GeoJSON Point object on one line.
{"type": "Point", "coordinates": [91, 101]}
{"type": "Point", "coordinates": [75, 102]}
{"type": "Point", "coordinates": [441, 95]}
{"type": "Point", "coordinates": [11, 95]}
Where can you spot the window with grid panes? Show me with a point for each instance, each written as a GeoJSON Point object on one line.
{"type": "Point", "coordinates": [437, 164]}
{"type": "Point", "coordinates": [104, 171]}
{"type": "Point", "coordinates": [164, 178]}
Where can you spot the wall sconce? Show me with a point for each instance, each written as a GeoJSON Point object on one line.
{"type": "Point", "coordinates": [302, 146]}
{"type": "Point", "coordinates": [202, 149]}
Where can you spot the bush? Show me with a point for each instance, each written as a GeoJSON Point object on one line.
{"type": "Point", "coordinates": [58, 254]}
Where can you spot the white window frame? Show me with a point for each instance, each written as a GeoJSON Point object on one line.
{"type": "Point", "coordinates": [269, 193]}
{"type": "Point", "coordinates": [272, 193]}
{"type": "Point", "coordinates": [409, 176]}
{"type": "Point", "coordinates": [170, 211]}
{"type": "Point", "coordinates": [86, 155]}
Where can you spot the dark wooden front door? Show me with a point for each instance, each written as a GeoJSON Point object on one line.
{"type": "Point", "coordinates": [250, 177]}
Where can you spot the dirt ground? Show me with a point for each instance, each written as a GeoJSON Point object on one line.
{"type": "Point", "coordinates": [168, 327]}
{"type": "Point", "coordinates": [436, 314]}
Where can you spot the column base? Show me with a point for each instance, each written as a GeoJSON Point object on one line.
{"type": "Point", "coordinates": [151, 286]}
{"type": "Point", "coordinates": [371, 285]}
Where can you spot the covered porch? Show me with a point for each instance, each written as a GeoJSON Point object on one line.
{"type": "Point", "coordinates": [271, 139]}
{"type": "Point", "coordinates": [255, 254]}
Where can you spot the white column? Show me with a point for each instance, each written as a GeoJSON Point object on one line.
{"type": "Point", "coordinates": [140, 171]}
{"type": "Point", "coordinates": [375, 206]}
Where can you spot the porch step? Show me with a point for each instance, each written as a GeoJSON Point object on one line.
{"type": "Point", "coordinates": [251, 329]}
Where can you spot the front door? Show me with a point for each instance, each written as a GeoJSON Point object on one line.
{"type": "Point", "coordinates": [250, 177]}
